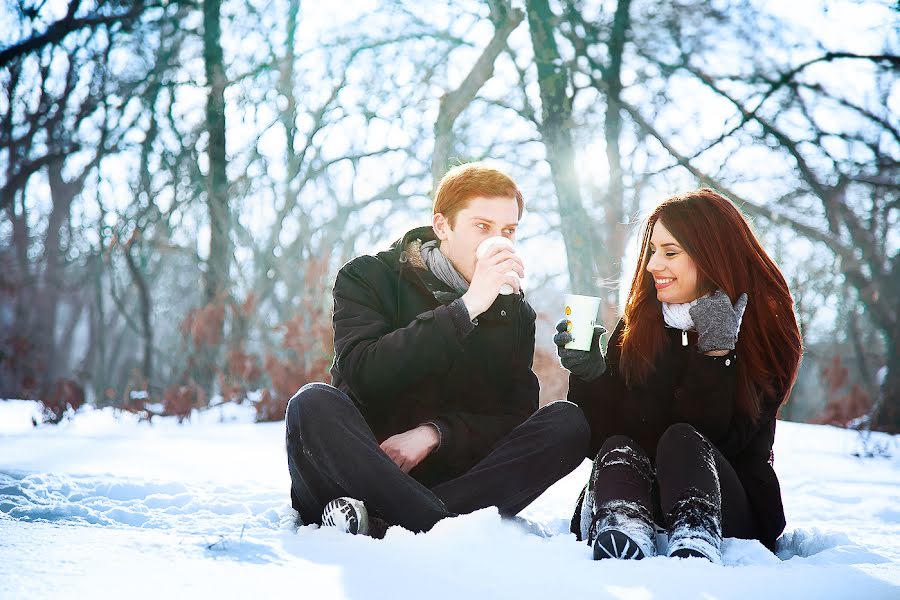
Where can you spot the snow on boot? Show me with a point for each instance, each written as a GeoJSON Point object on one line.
{"type": "Point", "coordinates": [347, 515]}
{"type": "Point", "coordinates": [586, 516]}
{"type": "Point", "coordinates": [623, 529]}
{"type": "Point", "coordinates": [696, 528]}
{"type": "Point", "coordinates": [584, 513]}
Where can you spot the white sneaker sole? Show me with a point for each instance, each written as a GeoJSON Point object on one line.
{"type": "Point", "coordinates": [347, 515]}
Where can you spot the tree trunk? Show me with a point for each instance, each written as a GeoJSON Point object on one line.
{"type": "Point", "coordinates": [219, 259]}
{"type": "Point", "coordinates": [555, 128]}
{"type": "Point", "coordinates": [24, 298]}
{"type": "Point", "coordinates": [611, 247]}
{"type": "Point", "coordinates": [47, 302]}
{"type": "Point", "coordinates": [99, 370]}
{"type": "Point", "coordinates": [218, 262]}
{"type": "Point", "coordinates": [144, 302]}
{"type": "Point", "coordinates": [887, 414]}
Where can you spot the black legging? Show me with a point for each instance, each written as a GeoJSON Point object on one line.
{"type": "Point", "coordinates": [686, 463]}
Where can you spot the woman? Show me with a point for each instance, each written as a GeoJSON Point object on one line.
{"type": "Point", "coordinates": [682, 409]}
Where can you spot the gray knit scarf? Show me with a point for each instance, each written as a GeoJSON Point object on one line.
{"type": "Point", "coordinates": [442, 268]}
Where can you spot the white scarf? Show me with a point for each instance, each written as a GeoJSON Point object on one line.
{"type": "Point", "coordinates": [679, 316]}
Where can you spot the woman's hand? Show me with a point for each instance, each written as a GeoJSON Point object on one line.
{"type": "Point", "coordinates": [717, 321]}
{"type": "Point", "coordinates": [586, 365]}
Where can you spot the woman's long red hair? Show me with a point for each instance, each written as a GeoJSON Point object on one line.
{"type": "Point", "coordinates": [729, 257]}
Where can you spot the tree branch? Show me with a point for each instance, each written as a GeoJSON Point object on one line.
{"type": "Point", "coordinates": [59, 30]}
{"type": "Point", "coordinates": [505, 20]}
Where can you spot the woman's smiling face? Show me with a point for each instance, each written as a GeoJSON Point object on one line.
{"type": "Point", "coordinates": [674, 272]}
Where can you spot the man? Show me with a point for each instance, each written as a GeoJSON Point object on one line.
{"type": "Point", "coordinates": [433, 408]}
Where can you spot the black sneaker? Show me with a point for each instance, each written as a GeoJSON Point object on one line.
{"type": "Point", "coordinates": [346, 514]}
{"type": "Point", "coordinates": [613, 543]}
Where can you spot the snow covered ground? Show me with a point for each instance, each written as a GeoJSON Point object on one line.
{"type": "Point", "coordinates": [104, 506]}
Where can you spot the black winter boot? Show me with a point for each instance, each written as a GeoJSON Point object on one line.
{"type": "Point", "coordinates": [623, 529]}
{"type": "Point", "coordinates": [614, 511]}
{"type": "Point", "coordinates": [695, 528]}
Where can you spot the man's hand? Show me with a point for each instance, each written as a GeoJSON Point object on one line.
{"type": "Point", "coordinates": [409, 448]}
{"type": "Point", "coordinates": [491, 273]}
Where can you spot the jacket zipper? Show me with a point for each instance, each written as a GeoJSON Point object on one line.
{"type": "Point", "coordinates": [684, 338]}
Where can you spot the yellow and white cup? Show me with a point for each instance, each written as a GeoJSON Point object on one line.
{"type": "Point", "coordinates": [581, 316]}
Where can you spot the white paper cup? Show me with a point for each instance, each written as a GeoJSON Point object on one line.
{"type": "Point", "coordinates": [498, 240]}
{"type": "Point", "coordinates": [581, 316]}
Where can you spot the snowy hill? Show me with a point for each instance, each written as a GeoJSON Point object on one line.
{"type": "Point", "coordinates": [104, 506]}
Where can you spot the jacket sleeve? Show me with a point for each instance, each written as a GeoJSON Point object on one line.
{"type": "Point", "coordinates": [376, 360]}
{"type": "Point", "coordinates": [753, 440]}
{"type": "Point", "coordinates": [748, 448]}
{"type": "Point", "coordinates": [469, 436]}
{"type": "Point", "coordinates": [600, 399]}
{"type": "Point", "coordinates": [707, 394]}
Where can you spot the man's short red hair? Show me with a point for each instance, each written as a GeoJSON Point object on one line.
{"type": "Point", "coordinates": [473, 180]}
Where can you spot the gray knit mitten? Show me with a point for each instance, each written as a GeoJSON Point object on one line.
{"type": "Point", "coordinates": [717, 321]}
{"type": "Point", "coordinates": [585, 365]}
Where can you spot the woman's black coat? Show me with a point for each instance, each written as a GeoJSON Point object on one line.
{"type": "Point", "coordinates": [689, 387]}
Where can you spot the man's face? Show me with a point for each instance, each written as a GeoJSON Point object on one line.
{"type": "Point", "coordinates": [480, 219]}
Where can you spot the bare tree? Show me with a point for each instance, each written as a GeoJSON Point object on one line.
{"type": "Point", "coordinates": [555, 127]}
{"type": "Point", "coordinates": [59, 116]}
{"type": "Point", "coordinates": [505, 19]}
{"type": "Point", "coordinates": [220, 249]}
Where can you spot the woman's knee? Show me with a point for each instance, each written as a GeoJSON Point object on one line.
{"type": "Point", "coordinates": [684, 454]}
{"type": "Point", "coordinates": [622, 450]}
{"type": "Point", "coordinates": [619, 443]}
{"type": "Point", "coordinates": [677, 437]}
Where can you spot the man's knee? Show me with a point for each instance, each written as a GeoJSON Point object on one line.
{"type": "Point", "coordinates": [312, 403]}
{"type": "Point", "coordinates": [570, 428]}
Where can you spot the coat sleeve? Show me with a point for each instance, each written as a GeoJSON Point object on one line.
{"type": "Point", "coordinates": [468, 436]}
{"type": "Point", "coordinates": [748, 448]}
{"type": "Point", "coordinates": [764, 493]}
{"type": "Point", "coordinates": [374, 359]}
{"type": "Point", "coordinates": [753, 440]}
{"type": "Point", "coordinates": [600, 400]}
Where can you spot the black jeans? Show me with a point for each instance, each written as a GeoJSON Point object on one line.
{"type": "Point", "coordinates": [687, 466]}
{"type": "Point", "coordinates": [332, 452]}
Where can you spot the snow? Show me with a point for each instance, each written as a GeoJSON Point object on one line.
{"type": "Point", "coordinates": [104, 505]}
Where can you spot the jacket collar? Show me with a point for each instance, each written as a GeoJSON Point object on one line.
{"type": "Point", "coordinates": [398, 258]}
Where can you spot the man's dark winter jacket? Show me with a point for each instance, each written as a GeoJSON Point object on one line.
{"type": "Point", "coordinates": [689, 387]}
{"type": "Point", "coordinates": [406, 353]}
